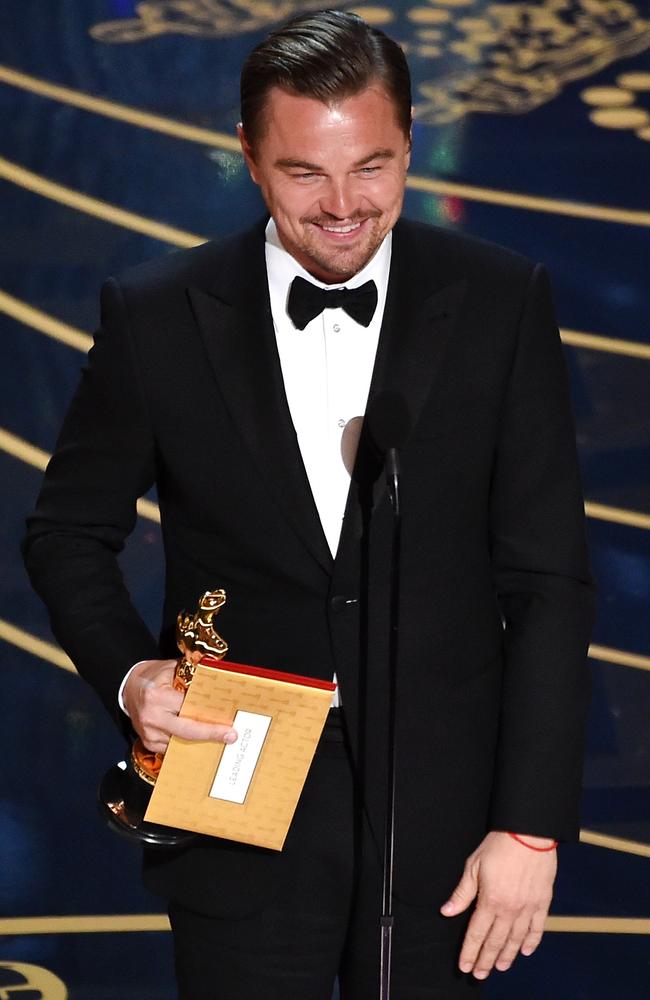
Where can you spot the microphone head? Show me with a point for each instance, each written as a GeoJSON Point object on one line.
{"type": "Point", "coordinates": [388, 421]}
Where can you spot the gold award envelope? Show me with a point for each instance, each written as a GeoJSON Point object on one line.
{"type": "Point", "coordinates": [248, 790]}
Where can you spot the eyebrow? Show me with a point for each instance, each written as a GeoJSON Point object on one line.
{"type": "Point", "coordinates": [377, 154]}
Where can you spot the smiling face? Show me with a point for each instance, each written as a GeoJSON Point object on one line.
{"type": "Point", "coordinates": [332, 176]}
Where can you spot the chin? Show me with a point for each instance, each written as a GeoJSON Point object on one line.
{"type": "Point", "coordinates": [343, 265]}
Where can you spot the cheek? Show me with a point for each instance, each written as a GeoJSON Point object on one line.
{"type": "Point", "coordinates": [387, 194]}
{"type": "Point", "coordinates": [288, 199]}
{"type": "Point", "coordinates": [298, 206]}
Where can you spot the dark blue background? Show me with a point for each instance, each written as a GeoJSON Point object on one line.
{"type": "Point", "coordinates": [55, 855]}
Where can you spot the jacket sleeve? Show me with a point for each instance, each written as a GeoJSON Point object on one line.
{"type": "Point", "coordinates": [104, 461]}
{"type": "Point", "coordinates": [543, 586]}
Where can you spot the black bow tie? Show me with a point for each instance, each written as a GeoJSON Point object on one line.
{"type": "Point", "coordinates": [307, 301]}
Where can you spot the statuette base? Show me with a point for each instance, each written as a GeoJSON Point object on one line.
{"type": "Point", "coordinates": [123, 799]}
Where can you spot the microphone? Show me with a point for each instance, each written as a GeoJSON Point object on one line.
{"type": "Point", "coordinates": [388, 422]}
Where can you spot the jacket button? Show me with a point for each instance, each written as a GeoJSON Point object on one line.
{"type": "Point", "coordinates": [340, 602]}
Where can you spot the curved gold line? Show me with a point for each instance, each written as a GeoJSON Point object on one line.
{"type": "Point", "coordinates": [38, 458]}
{"type": "Point", "coordinates": [619, 515]}
{"type": "Point", "coordinates": [219, 140]}
{"type": "Point", "coordinates": [120, 112]}
{"type": "Point", "coordinates": [45, 323]}
{"type": "Point", "coordinates": [598, 925]}
{"type": "Point", "coordinates": [533, 203]}
{"type": "Point", "coordinates": [157, 922]}
{"type": "Point", "coordinates": [38, 647]}
{"type": "Point", "coordinates": [32, 455]}
{"type": "Point", "coordinates": [611, 345]}
{"type": "Point", "coordinates": [93, 206]}
{"type": "Point", "coordinates": [70, 335]}
{"type": "Point", "coordinates": [101, 924]}
{"type": "Point", "coordinates": [608, 655]}
{"type": "Point", "coordinates": [148, 509]}
{"type": "Point", "coordinates": [32, 644]}
{"type": "Point", "coordinates": [73, 337]}
{"type": "Point", "coordinates": [52, 654]}
{"type": "Point", "coordinates": [19, 448]}
{"type": "Point", "coordinates": [621, 844]}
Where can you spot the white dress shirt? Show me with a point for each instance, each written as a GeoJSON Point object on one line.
{"type": "Point", "coordinates": [326, 368]}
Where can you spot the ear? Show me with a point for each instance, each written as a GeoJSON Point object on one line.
{"type": "Point", "coordinates": [247, 150]}
{"type": "Point", "coordinates": [409, 145]}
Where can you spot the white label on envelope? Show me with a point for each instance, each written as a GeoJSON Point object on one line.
{"type": "Point", "coordinates": [239, 759]}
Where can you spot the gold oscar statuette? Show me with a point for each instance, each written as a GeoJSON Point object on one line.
{"type": "Point", "coordinates": [126, 787]}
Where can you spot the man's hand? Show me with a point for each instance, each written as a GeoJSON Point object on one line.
{"type": "Point", "coordinates": [514, 887]}
{"type": "Point", "coordinates": [153, 706]}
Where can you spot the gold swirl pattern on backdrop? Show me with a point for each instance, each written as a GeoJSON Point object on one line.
{"type": "Point", "coordinates": [513, 58]}
{"type": "Point", "coordinates": [205, 18]}
{"type": "Point", "coordinates": [20, 979]}
{"type": "Point", "coordinates": [624, 105]}
{"type": "Point", "coordinates": [499, 58]}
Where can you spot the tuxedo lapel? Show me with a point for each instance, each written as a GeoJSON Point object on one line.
{"type": "Point", "coordinates": [234, 317]}
{"type": "Point", "coordinates": [419, 317]}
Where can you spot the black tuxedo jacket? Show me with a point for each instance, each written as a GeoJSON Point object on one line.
{"type": "Point", "coordinates": [184, 388]}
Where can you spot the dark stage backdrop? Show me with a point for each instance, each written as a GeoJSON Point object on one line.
{"type": "Point", "coordinates": [533, 129]}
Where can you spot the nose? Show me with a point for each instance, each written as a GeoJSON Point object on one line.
{"type": "Point", "coordinates": [339, 200]}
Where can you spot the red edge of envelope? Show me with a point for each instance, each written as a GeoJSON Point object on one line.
{"type": "Point", "coordinates": [274, 675]}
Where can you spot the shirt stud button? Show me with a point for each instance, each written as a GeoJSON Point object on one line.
{"type": "Point", "coordinates": [336, 328]}
{"type": "Point", "coordinates": [340, 602]}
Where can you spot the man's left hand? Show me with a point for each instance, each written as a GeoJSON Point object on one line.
{"type": "Point", "coordinates": [514, 886]}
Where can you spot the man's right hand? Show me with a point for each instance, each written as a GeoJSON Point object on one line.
{"type": "Point", "coordinates": [153, 706]}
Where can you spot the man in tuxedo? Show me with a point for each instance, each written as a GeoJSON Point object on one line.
{"type": "Point", "coordinates": [235, 376]}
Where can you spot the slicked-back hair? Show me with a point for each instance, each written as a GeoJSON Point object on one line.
{"type": "Point", "coordinates": [328, 55]}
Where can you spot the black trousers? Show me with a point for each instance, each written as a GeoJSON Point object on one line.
{"type": "Point", "coordinates": [323, 920]}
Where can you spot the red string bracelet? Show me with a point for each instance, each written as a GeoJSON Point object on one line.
{"type": "Point", "coordinates": [531, 847]}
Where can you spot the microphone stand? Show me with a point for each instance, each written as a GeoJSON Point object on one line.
{"type": "Point", "coordinates": [387, 920]}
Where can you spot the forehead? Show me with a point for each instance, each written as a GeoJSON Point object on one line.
{"type": "Point", "coordinates": [294, 122]}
